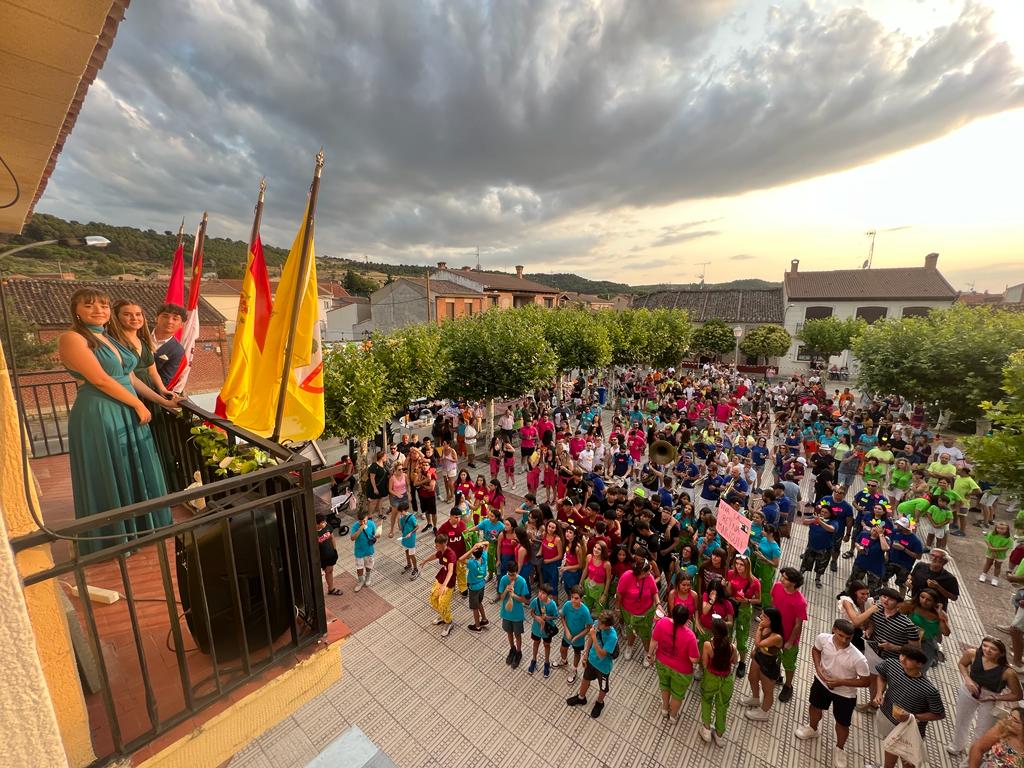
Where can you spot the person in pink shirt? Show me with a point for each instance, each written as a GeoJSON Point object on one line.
{"type": "Point", "coordinates": [576, 444]}
{"type": "Point", "coordinates": [786, 596]}
{"type": "Point", "coordinates": [545, 430]}
{"type": "Point", "coordinates": [722, 413]}
{"type": "Point", "coordinates": [528, 437]}
{"type": "Point", "coordinates": [636, 597]}
{"type": "Point", "coordinates": [674, 645]}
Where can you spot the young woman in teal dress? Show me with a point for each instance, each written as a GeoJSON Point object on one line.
{"type": "Point", "coordinates": [113, 457]}
{"type": "Point", "coordinates": [128, 326]}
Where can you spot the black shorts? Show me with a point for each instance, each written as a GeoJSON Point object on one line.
{"type": "Point", "coordinates": [524, 451]}
{"type": "Point", "coordinates": [770, 665]}
{"type": "Point", "coordinates": [429, 504]}
{"type": "Point", "coordinates": [842, 706]}
{"type": "Point", "coordinates": [590, 672]}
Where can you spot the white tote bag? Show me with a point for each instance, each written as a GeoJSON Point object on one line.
{"type": "Point", "coordinates": [906, 743]}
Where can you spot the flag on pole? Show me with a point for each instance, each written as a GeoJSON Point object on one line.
{"type": "Point", "coordinates": [190, 329]}
{"type": "Point", "coordinates": [176, 287]}
{"type": "Point", "coordinates": [303, 414]}
{"type": "Point", "coordinates": [254, 306]}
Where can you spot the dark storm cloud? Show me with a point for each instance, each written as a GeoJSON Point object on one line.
{"type": "Point", "coordinates": [448, 125]}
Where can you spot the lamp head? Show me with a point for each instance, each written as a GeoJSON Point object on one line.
{"type": "Point", "coordinates": [90, 241]}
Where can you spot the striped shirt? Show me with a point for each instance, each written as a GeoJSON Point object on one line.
{"type": "Point", "coordinates": [897, 629]}
{"type": "Point", "coordinates": [915, 695]}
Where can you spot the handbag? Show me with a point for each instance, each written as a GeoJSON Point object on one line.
{"type": "Point", "coordinates": [904, 741]}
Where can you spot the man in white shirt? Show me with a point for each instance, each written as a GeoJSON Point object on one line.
{"type": "Point", "coordinates": [586, 458]}
{"type": "Point", "coordinates": [839, 670]}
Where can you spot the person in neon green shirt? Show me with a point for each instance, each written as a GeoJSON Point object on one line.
{"type": "Point", "coordinates": [964, 484]}
{"type": "Point", "coordinates": [874, 471]}
{"type": "Point", "coordinates": [998, 542]}
{"type": "Point", "coordinates": [942, 468]}
{"type": "Point", "coordinates": [934, 523]}
{"type": "Point", "coordinates": [882, 453]}
{"type": "Point", "coordinates": [899, 482]}
{"type": "Point", "coordinates": [913, 508]}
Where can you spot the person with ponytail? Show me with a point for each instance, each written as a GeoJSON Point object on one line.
{"type": "Point", "coordinates": [674, 646]}
{"type": "Point", "coordinates": [718, 657]}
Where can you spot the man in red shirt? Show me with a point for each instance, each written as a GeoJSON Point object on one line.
{"type": "Point", "coordinates": [792, 605]}
{"type": "Point", "coordinates": [444, 583]}
{"type": "Point", "coordinates": [453, 530]}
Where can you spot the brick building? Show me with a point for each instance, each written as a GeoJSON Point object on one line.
{"type": "Point", "coordinates": [47, 303]}
{"type": "Point", "coordinates": [404, 301]}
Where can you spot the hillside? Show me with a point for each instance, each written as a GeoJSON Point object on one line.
{"type": "Point", "coordinates": [147, 253]}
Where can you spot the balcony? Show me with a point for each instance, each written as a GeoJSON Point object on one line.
{"type": "Point", "coordinates": [205, 610]}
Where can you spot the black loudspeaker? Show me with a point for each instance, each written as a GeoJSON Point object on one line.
{"type": "Point", "coordinates": [209, 550]}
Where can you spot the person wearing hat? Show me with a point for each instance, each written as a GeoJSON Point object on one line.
{"type": "Point", "coordinates": [905, 550]}
{"type": "Point", "coordinates": [902, 690]}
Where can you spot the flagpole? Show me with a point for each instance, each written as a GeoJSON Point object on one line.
{"type": "Point", "coordinates": [200, 244]}
{"type": "Point", "coordinates": [181, 233]}
{"type": "Point", "coordinates": [259, 214]}
{"type": "Point", "coordinates": [300, 286]}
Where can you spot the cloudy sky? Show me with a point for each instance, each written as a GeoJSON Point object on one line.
{"type": "Point", "coordinates": [618, 139]}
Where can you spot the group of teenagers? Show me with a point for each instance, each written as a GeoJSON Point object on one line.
{"type": "Point", "coordinates": [624, 559]}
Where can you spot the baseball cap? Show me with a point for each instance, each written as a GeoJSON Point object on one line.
{"type": "Point", "coordinates": [641, 492]}
{"type": "Point", "coordinates": [904, 522]}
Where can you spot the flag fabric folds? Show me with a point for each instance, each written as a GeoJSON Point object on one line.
{"type": "Point", "coordinates": [176, 287]}
{"type": "Point", "coordinates": [303, 417]}
{"type": "Point", "coordinates": [190, 329]}
{"type": "Point", "coordinates": [254, 307]}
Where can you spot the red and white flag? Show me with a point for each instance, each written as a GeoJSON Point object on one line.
{"type": "Point", "coordinates": [176, 287]}
{"type": "Point", "coordinates": [190, 330]}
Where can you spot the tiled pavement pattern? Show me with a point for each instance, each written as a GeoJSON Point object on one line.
{"type": "Point", "coordinates": [429, 701]}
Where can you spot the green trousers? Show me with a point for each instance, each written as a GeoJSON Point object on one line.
{"type": "Point", "coordinates": [715, 691]}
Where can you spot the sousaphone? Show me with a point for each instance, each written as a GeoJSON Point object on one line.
{"type": "Point", "coordinates": [662, 452]}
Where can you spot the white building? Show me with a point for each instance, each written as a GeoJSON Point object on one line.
{"type": "Point", "coordinates": [347, 319]}
{"type": "Point", "coordinates": [870, 294]}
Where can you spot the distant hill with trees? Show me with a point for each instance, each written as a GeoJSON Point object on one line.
{"type": "Point", "coordinates": [147, 253]}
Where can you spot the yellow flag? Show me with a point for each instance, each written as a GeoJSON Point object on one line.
{"type": "Point", "coordinates": [304, 399]}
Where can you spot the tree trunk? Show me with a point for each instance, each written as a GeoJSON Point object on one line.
{"type": "Point", "coordinates": [490, 420]}
{"type": "Point", "coordinates": [362, 466]}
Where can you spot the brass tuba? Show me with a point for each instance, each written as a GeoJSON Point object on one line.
{"type": "Point", "coordinates": [662, 452]}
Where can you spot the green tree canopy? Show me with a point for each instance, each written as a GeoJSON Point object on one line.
{"type": "Point", "coordinates": [630, 334]}
{"type": "Point", "coordinates": [766, 341]}
{"type": "Point", "coordinates": [30, 353]}
{"type": "Point", "coordinates": [714, 337]}
{"type": "Point", "coordinates": [577, 337]}
{"type": "Point", "coordinates": [496, 354]}
{"type": "Point", "coordinates": [356, 395]}
{"type": "Point", "coordinates": [357, 284]}
{"type": "Point", "coordinates": [953, 358]}
{"type": "Point", "coordinates": [671, 335]}
{"type": "Point", "coordinates": [828, 336]}
{"type": "Point", "coordinates": [414, 362]}
{"type": "Point", "coordinates": [999, 456]}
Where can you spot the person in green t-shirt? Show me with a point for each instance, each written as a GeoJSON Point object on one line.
{"type": "Point", "coordinates": [998, 542]}
{"type": "Point", "coordinates": [941, 468]}
{"type": "Point", "coordinates": [874, 471]}
{"type": "Point", "coordinates": [913, 508]}
{"type": "Point", "coordinates": [882, 452]}
{"type": "Point", "coordinates": [934, 523]}
{"type": "Point", "coordinates": [899, 481]}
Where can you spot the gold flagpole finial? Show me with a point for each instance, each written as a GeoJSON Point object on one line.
{"type": "Point", "coordinates": [263, 187]}
{"type": "Point", "coordinates": [319, 160]}
{"type": "Point", "coordinates": [181, 229]}
{"type": "Point", "coordinates": [205, 217]}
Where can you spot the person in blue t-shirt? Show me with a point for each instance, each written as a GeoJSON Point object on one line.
{"type": "Point", "coordinates": [364, 534]}
{"type": "Point", "coordinates": [622, 462]}
{"type": "Point", "coordinates": [905, 550]}
{"type": "Point", "coordinates": [770, 509]}
{"type": "Point", "coordinates": [544, 612]}
{"type": "Point", "coordinates": [475, 561]}
{"type": "Point", "coordinates": [869, 565]}
{"type": "Point", "coordinates": [490, 527]}
{"type": "Point", "coordinates": [820, 535]}
{"type": "Point", "coordinates": [602, 641]}
{"type": "Point", "coordinates": [576, 624]}
{"type": "Point", "coordinates": [407, 525]}
{"type": "Point", "coordinates": [842, 515]}
{"type": "Point", "coordinates": [513, 595]}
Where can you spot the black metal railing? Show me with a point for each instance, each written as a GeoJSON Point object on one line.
{"type": "Point", "coordinates": [245, 578]}
{"type": "Point", "coordinates": [47, 397]}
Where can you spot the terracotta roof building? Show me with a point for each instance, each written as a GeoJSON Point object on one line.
{"type": "Point", "coordinates": [900, 283]}
{"type": "Point", "coordinates": [735, 306]}
{"type": "Point", "coordinates": [501, 288]}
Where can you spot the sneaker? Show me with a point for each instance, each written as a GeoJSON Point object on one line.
{"type": "Point", "coordinates": [806, 732]}
{"type": "Point", "coordinates": [447, 629]}
{"type": "Point", "coordinates": [547, 669]}
{"type": "Point", "coordinates": [425, 528]}
{"type": "Point", "coordinates": [532, 668]}
{"type": "Point", "coordinates": [983, 578]}
{"type": "Point", "coordinates": [786, 693]}
{"type": "Point", "coordinates": [954, 750]}
{"type": "Point", "coordinates": [838, 757]}
{"type": "Point", "coordinates": [757, 714]}
{"type": "Point", "coordinates": [647, 661]}
{"type": "Point", "coordinates": [958, 533]}
{"type": "Point", "coordinates": [517, 659]}
{"type": "Point", "coordinates": [718, 739]}
{"type": "Point", "coordinates": [484, 622]}
{"type": "Point", "coordinates": [438, 621]}
{"type": "Point", "coordinates": [1004, 628]}
{"type": "Point", "coordinates": [664, 712]}
{"type": "Point", "coordinates": [598, 706]}
{"type": "Point", "coordinates": [407, 568]}
{"type": "Point", "coordinates": [473, 628]}
{"type": "Point", "coordinates": [994, 582]}
{"type": "Point", "coordinates": [673, 720]}
{"type": "Point", "coordinates": [750, 701]}
{"type": "Point", "coordinates": [629, 652]}
{"type": "Point", "coordinates": [559, 663]}
{"type": "Point", "coordinates": [575, 701]}
{"type": "Point", "coordinates": [573, 676]}
{"type": "Point", "coordinates": [366, 583]}
{"type": "Point", "coordinates": [705, 733]}
{"type": "Point", "coordinates": [833, 567]}
{"type": "Point", "coordinates": [360, 583]}
{"type": "Point", "coordinates": [511, 655]}
{"type": "Point", "coordinates": [415, 574]}
{"type": "Point", "coordinates": [741, 669]}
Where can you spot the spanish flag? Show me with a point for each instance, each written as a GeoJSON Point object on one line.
{"type": "Point", "coordinates": [303, 417]}
{"type": "Point", "coordinates": [254, 306]}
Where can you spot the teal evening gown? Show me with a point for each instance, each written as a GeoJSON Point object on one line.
{"type": "Point", "coordinates": [114, 462]}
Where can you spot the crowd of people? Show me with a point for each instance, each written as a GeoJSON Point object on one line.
{"type": "Point", "coordinates": [615, 555]}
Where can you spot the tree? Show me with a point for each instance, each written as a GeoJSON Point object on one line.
{"type": "Point", "coordinates": [714, 338]}
{"type": "Point", "coordinates": [414, 362]}
{"type": "Point", "coordinates": [999, 455]}
{"type": "Point", "coordinates": [357, 284]}
{"type": "Point", "coordinates": [356, 398]}
{"type": "Point", "coordinates": [671, 335]}
{"type": "Point", "coordinates": [578, 339]}
{"type": "Point", "coordinates": [828, 336]}
{"type": "Point", "coordinates": [952, 359]}
{"type": "Point", "coordinates": [29, 352]}
{"type": "Point", "coordinates": [766, 341]}
{"type": "Point", "coordinates": [630, 332]}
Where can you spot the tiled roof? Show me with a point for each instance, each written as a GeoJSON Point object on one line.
{"type": "Point", "coordinates": [47, 302]}
{"type": "Point", "coordinates": [440, 287]}
{"type": "Point", "coordinates": [763, 305]}
{"type": "Point", "coordinates": [503, 281]}
{"type": "Point", "coordinates": [974, 299]}
{"type": "Point", "coordinates": [900, 283]}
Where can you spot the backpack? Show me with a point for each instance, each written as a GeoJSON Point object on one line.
{"type": "Point", "coordinates": [615, 652]}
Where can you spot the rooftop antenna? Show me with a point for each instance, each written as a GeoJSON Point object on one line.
{"type": "Point", "coordinates": [872, 233]}
{"type": "Point", "coordinates": [704, 268]}
{"type": "Point", "coordinates": [478, 258]}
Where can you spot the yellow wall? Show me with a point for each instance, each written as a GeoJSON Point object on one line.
{"type": "Point", "coordinates": [52, 640]}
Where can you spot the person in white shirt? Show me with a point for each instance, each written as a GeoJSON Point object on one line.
{"type": "Point", "coordinates": [586, 458]}
{"type": "Point", "coordinates": [839, 670]}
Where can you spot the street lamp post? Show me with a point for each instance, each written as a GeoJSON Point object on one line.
{"type": "Point", "coordinates": [737, 331]}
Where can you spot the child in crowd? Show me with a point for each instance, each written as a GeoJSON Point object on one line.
{"type": "Point", "coordinates": [544, 612]}
{"type": "Point", "coordinates": [513, 594]}
{"type": "Point", "coordinates": [475, 563]}
{"type": "Point", "coordinates": [328, 553]}
{"type": "Point", "coordinates": [364, 536]}
{"type": "Point", "coordinates": [602, 645]}
{"type": "Point", "coordinates": [576, 624]}
{"type": "Point", "coordinates": [407, 524]}
{"type": "Point", "coordinates": [998, 542]}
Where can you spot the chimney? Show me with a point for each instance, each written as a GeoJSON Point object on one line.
{"type": "Point", "coordinates": [519, 271]}
{"type": "Point", "coordinates": [794, 266]}
{"type": "Point", "coordinates": [442, 265]}
{"type": "Point", "coordinates": [931, 261]}
{"type": "Point", "coordinates": [467, 269]}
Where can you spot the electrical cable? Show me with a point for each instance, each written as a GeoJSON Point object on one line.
{"type": "Point", "coordinates": [17, 186]}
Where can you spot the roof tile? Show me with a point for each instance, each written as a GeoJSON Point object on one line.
{"type": "Point", "coordinates": [903, 283]}
{"type": "Point", "coordinates": [762, 305]}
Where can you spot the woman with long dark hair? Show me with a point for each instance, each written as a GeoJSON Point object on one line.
{"type": "Point", "coordinates": [718, 657]}
{"type": "Point", "coordinates": [674, 646]}
{"type": "Point", "coordinates": [636, 597]}
{"type": "Point", "coordinates": [765, 665]}
{"type": "Point", "coordinates": [986, 680]}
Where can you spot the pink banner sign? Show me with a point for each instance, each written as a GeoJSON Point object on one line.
{"type": "Point", "coordinates": [733, 527]}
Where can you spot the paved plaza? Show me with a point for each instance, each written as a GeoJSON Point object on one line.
{"type": "Point", "coordinates": [425, 700]}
